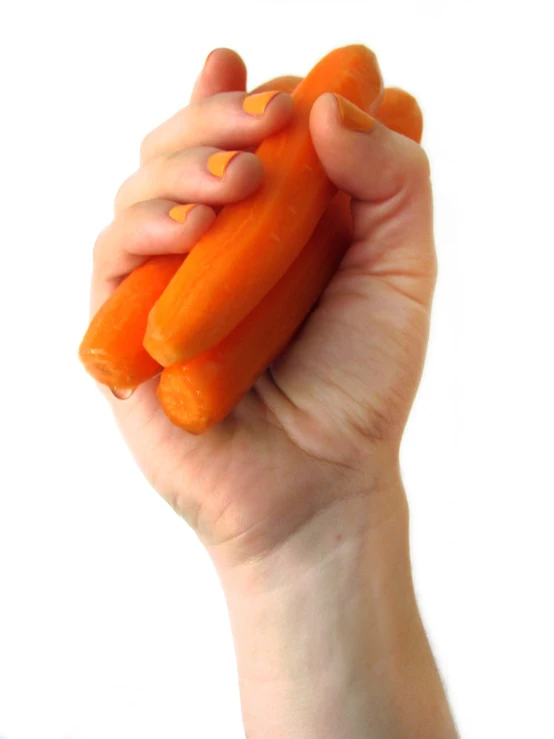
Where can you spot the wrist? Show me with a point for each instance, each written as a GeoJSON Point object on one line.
{"type": "Point", "coordinates": [327, 632]}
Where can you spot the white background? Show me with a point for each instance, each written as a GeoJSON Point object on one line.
{"type": "Point", "coordinates": [112, 623]}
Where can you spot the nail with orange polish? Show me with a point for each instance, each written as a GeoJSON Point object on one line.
{"type": "Point", "coordinates": [352, 117]}
{"type": "Point", "coordinates": [179, 213]}
{"type": "Point", "coordinates": [257, 103]}
{"type": "Point", "coordinates": [218, 162]}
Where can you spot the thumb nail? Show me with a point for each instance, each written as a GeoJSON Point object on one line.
{"type": "Point", "coordinates": [352, 117]}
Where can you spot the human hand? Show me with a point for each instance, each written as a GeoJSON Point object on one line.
{"type": "Point", "coordinates": [338, 399]}
{"type": "Point", "coordinates": [297, 494]}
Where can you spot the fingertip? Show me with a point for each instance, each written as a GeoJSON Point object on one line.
{"type": "Point", "coordinates": [361, 155]}
{"type": "Point", "coordinates": [223, 56]}
{"type": "Point", "coordinates": [224, 71]}
{"type": "Point", "coordinates": [241, 172]}
{"type": "Point", "coordinates": [194, 219]}
{"type": "Point", "coordinates": [335, 112]}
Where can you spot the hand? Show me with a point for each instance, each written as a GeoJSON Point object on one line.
{"type": "Point", "coordinates": [297, 494]}
{"type": "Point", "coordinates": [336, 402]}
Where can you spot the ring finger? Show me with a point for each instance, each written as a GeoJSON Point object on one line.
{"type": "Point", "coordinates": [205, 174]}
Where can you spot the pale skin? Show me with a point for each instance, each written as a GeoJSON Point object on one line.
{"type": "Point", "coordinates": [297, 495]}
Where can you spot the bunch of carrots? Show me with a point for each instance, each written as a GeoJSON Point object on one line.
{"type": "Point", "coordinates": [212, 322]}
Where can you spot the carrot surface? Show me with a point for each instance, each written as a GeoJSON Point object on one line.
{"type": "Point", "coordinates": [285, 83]}
{"type": "Point", "coordinates": [112, 350]}
{"type": "Point", "coordinates": [252, 243]}
{"type": "Point", "coordinates": [400, 112]}
{"type": "Point", "coordinates": [199, 393]}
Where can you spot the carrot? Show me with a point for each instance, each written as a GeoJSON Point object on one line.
{"type": "Point", "coordinates": [111, 349]}
{"type": "Point", "coordinates": [253, 243]}
{"type": "Point", "coordinates": [199, 393]}
{"type": "Point", "coordinates": [400, 112]}
{"type": "Point", "coordinates": [286, 83]}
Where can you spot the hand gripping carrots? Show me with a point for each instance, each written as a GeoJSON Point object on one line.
{"type": "Point", "coordinates": [214, 358]}
{"type": "Point", "coordinates": [253, 243]}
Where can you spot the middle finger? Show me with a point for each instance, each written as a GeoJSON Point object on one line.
{"type": "Point", "coordinates": [236, 120]}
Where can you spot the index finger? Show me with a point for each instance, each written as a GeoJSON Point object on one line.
{"type": "Point", "coordinates": [223, 71]}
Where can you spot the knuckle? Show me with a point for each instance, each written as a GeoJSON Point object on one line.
{"type": "Point", "coordinates": [421, 164]}
{"type": "Point", "coordinates": [120, 196]}
{"type": "Point", "coordinates": [145, 148]}
{"type": "Point", "coordinates": [100, 246]}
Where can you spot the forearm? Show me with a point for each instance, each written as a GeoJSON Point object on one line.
{"type": "Point", "coordinates": [328, 636]}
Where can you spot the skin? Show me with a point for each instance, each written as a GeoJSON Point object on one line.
{"type": "Point", "coordinates": [297, 495]}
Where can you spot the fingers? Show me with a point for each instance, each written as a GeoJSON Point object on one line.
{"type": "Point", "coordinates": [388, 177]}
{"type": "Point", "coordinates": [226, 120]}
{"type": "Point", "coordinates": [146, 229]}
{"type": "Point", "coordinates": [223, 71]}
{"type": "Point", "coordinates": [204, 174]}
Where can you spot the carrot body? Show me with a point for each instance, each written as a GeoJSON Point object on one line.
{"type": "Point", "coordinates": [199, 393]}
{"type": "Point", "coordinates": [400, 112]}
{"type": "Point", "coordinates": [253, 243]}
{"type": "Point", "coordinates": [286, 83]}
{"type": "Point", "coordinates": [112, 350]}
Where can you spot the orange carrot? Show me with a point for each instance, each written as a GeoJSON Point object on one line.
{"type": "Point", "coordinates": [199, 393]}
{"type": "Point", "coordinates": [253, 243]}
{"type": "Point", "coordinates": [112, 350]}
{"type": "Point", "coordinates": [286, 83]}
{"type": "Point", "coordinates": [400, 112]}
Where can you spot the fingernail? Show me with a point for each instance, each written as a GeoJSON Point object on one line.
{"type": "Point", "coordinates": [257, 103]}
{"type": "Point", "coordinates": [218, 162]}
{"type": "Point", "coordinates": [352, 117]}
{"type": "Point", "coordinates": [179, 213]}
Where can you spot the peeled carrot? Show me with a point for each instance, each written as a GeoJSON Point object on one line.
{"type": "Point", "coordinates": [286, 83]}
{"type": "Point", "coordinates": [400, 112]}
{"type": "Point", "coordinates": [199, 393]}
{"type": "Point", "coordinates": [112, 350]}
{"type": "Point", "coordinates": [253, 243]}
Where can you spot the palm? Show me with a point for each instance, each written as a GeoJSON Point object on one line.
{"type": "Point", "coordinates": [215, 480]}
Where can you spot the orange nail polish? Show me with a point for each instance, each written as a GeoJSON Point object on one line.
{"type": "Point", "coordinates": [179, 213]}
{"type": "Point", "coordinates": [352, 117]}
{"type": "Point", "coordinates": [257, 103]}
{"type": "Point", "coordinates": [218, 162]}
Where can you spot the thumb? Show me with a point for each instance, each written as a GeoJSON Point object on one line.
{"type": "Point", "coordinates": [363, 347]}
{"type": "Point", "coordinates": [388, 177]}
